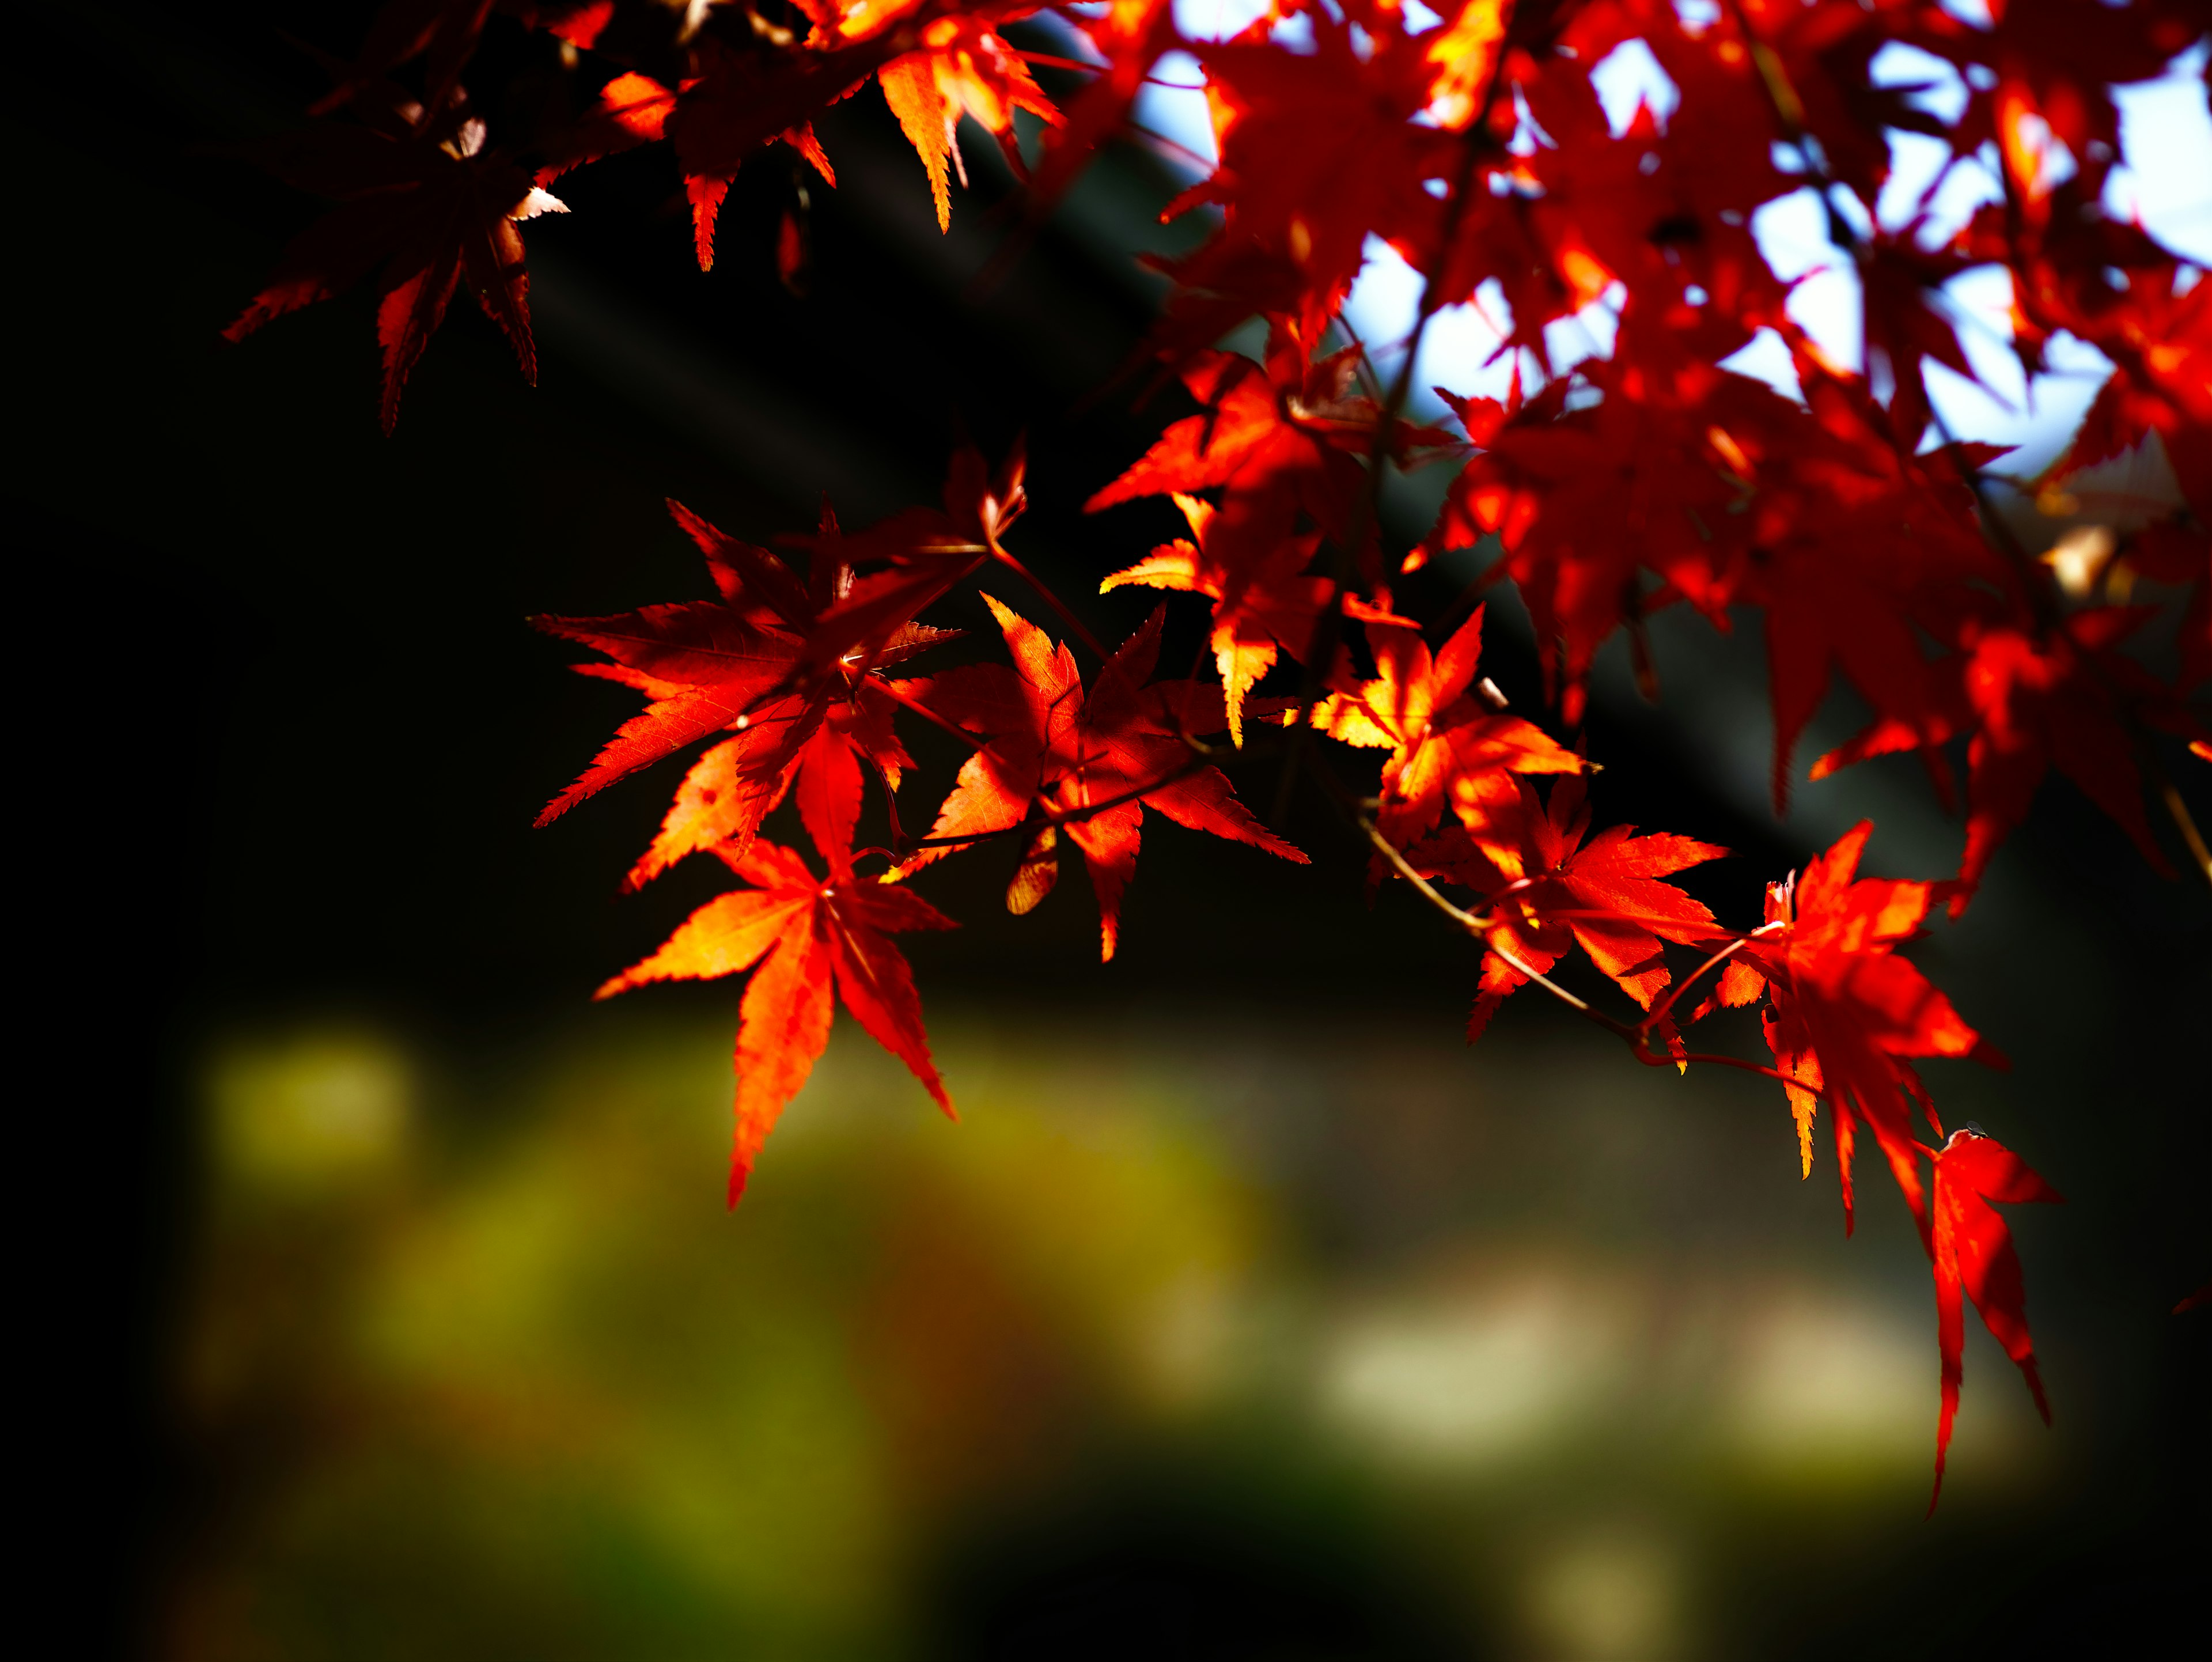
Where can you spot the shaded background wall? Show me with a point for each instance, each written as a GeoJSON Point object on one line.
{"type": "Point", "coordinates": [386, 1304]}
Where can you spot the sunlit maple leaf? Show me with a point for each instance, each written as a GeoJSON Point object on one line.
{"type": "Point", "coordinates": [1844, 1012]}
{"type": "Point", "coordinates": [935, 60]}
{"type": "Point", "coordinates": [739, 665]}
{"type": "Point", "coordinates": [1317, 151]}
{"type": "Point", "coordinates": [1445, 744]}
{"type": "Point", "coordinates": [1646, 478]}
{"type": "Point", "coordinates": [1084, 765]}
{"type": "Point", "coordinates": [1664, 209]}
{"type": "Point", "coordinates": [808, 936]}
{"type": "Point", "coordinates": [1276, 440]}
{"type": "Point", "coordinates": [743, 98]}
{"type": "Point", "coordinates": [920, 553]}
{"type": "Point", "coordinates": [1973, 1253]}
{"type": "Point", "coordinates": [1550, 891]}
{"type": "Point", "coordinates": [631, 110]}
{"type": "Point", "coordinates": [1257, 612]}
{"type": "Point", "coordinates": [962, 68]}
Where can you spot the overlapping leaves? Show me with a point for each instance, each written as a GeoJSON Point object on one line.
{"type": "Point", "coordinates": [1870, 546]}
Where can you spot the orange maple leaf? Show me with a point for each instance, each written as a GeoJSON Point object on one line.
{"type": "Point", "coordinates": [962, 68]}
{"type": "Point", "coordinates": [1443, 744]}
{"type": "Point", "coordinates": [805, 935]}
{"type": "Point", "coordinates": [1273, 607]}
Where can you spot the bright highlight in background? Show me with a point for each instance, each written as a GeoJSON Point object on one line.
{"type": "Point", "coordinates": [2166, 182]}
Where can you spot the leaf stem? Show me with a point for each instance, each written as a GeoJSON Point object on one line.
{"type": "Point", "coordinates": [1321, 647]}
{"type": "Point", "coordinates": [923, 710]}
{"type": "Point", "coordinates": [1653, 1017]}
{"type": "Point", "coordinates": [1634, 1036]}
{"type": "Point", "coordinates": [2178, 811]}
{"type": "Point", "coordinates": [1060, 607]}
{"type": "Point", "coordinates": [1051, 817]}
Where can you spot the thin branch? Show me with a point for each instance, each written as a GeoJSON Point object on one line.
{"type": "Point", "coordinates": [2035, 589]}
{"type": "Point", "coordinates": [1478, 925]}
{"type": "Point", "coordinates": [1050, 61]}
{"type": "Point", "coordinates": [1182, 152]}
{"type": "Point", "coordinates": [1714, 1059]}
{"type": "Point", "coordinates": [1049, 818]}
{"type": "Point", "coordinates": [932, 717]}
{"type": "Point", "coordinates": [1653, 1017]}
{"type": "Point", "coordinates": [2170, 795]}
{"type": "Point", "coordinates": [1060, 606]}
{"type": "Point", "coordinates": [1321, 646]}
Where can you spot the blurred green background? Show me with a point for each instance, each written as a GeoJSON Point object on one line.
{"type": "Point", "coordinates": [385, 1301]}
{"type": "Point", "coordinates": [1231, 1337]}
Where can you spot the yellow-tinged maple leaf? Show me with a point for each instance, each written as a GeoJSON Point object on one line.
{"type": "Point", "coordinates": [963, 69]}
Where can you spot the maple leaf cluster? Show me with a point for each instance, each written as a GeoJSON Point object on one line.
{"type": "Point", "coordinates": [1472, 146]}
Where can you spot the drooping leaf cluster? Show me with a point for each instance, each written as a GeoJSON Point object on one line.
{"type": "Point", "coordinates": [1833, 503]}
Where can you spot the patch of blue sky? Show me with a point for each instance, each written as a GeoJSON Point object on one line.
{"type": "Point", "coordinates": [2166, 139]}
{"type": "Point", "coordinates": [1629, 77]}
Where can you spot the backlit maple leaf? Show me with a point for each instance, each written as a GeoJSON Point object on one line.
{"type": "Point", "coordinates": [1973, 1253]}
{"type": "Point", "coordinates": [962, 68]}
{"type": "Point", "coordinates": [1844, 1012]}
{"type": "Point", "coordinates": [808, 936]}
{"type": "Point", "coordinates": [921, 551]}
{"type": "Point", "coordinates": [1055, 753]}
{"type": "Point", "coordinates": [1276, 440]}
{"type": "Point", "coordinates": [935, 60]}
{"type": "Point", "coordinates": [1550, 892]}
{"type": "Point", "coordinates": [740, 665]}
{"type": "Point", "coordinates": [1445, 745]}
{"type": "Point", "coordinates": [1257, 612]}
{"type": "Point", "coordinates": [1317, 151]}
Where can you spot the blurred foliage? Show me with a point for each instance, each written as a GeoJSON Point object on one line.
{"type": "Point", "coordinates": [477, 1364]}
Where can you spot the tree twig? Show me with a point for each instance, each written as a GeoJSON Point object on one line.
{"type": "Point", "coordinates": [1654, 1016]}
{"type": "Point", "coordinates": [891, 689]}
{"type": "Point", "coordinates": [1060, 607]}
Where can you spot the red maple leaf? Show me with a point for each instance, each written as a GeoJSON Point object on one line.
{"type": "Point", "coordinates": [1317, 151]}
{"type": "Point", "coordinates": [631, 110]}
{"type": "Point", "coordinates": [1276, 440]}
{"type": "Point", "coordinates": [2032, 702]}
{"type": "Point", "coordinates": [806, 935]}
{"type": "Point", "coordinates": [1549, 892]}
{"type": "Point", "coordinates": [1973, 1252]}
{"type": "Point", "coordinates": [738, 665]}
{"type": "Point", "coordinates": [1257, 612]}
{"type": "Point", "coordinates": [1844, 1012]}
{"type": "Point", "coordinates": [935, 60]}
{"type": "Point", "coordinates": [1087, 764]}
{"type": "Point", "coordinates": [922, 552]}
{"type": "Point", "coordinates": [432, 208]}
